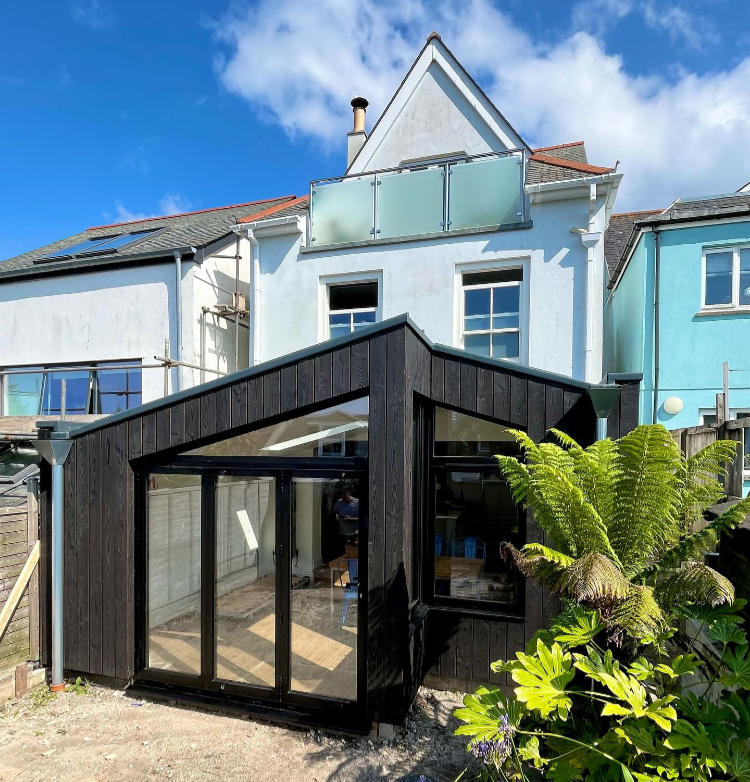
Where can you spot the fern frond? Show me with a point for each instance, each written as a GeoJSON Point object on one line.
{"type": "Point", "coordinates": [593, 579]}
{"type": "Point", "coordinates": [528, 447]}
{"type": "Point", "coordinates": [638, 614]}
{"type": "Point", "coordinates": [644, 518]}
{"type": "Point", "coordinates": [694, 584]}
{"type": "Point", "coordinates": [594, 468]}
{"type": "Point", "coordinates": [565, 440]}
{"type": "Point", "coordinates": [700, 542]}
{"type": "Point", "coordinates": [517, 476]}
{"type": "Point", "coordinates": [537, 551]}
{"type": "Point", "coordinates": [541, 563]}
{"type": "Point", "coordinates": [701, 479]}
{"type": "Point", "coordinates": [564, 514]}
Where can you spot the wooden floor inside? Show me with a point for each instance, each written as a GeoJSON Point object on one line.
{"type": "Point", "coordinates": [323, 650]}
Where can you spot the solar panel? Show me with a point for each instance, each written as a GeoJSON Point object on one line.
{"type": "Point", "coordinates": [99, 245]}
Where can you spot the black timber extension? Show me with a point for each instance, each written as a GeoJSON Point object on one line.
{"type": "Point", "coordinates": [405, 637]}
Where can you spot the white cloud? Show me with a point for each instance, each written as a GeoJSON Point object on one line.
{"type": "Point", "coordinates": [91, 13]}
{"type": "Point", "coordinates": [171, 203]}
{"type": "Point", "coordinates": [299, 63]}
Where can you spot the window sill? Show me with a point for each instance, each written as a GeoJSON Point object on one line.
{"type": "Point", "coordinates": [707, 312]}
{"type": "Point", "coordinates": [417, 237]}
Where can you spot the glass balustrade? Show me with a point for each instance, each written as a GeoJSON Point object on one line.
{"type": "Point", "coordinates": [482, 192]}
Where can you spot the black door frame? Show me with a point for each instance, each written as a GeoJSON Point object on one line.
{"type": "Point", "coordinates": [279, 700]}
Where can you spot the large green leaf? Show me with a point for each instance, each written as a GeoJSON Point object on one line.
{"type": "Point", "coordinates": [737, 661]}
{"type": "Point", "coordinates": [543, 679]}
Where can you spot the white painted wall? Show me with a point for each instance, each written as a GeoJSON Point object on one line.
{"type": "Point", "coordinates": [420, 278]}
{"type": "Point", "coordinates": [96, 316]}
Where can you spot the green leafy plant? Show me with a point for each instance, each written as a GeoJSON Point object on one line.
{"type": "Point", "coordinates": [579, 713]}
{"type": "Point", "coordinates": [622, 518]}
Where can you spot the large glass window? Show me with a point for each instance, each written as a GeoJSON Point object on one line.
{"type": "Point", "coordinates": [727, 278]}
{"type": "Point", "coordinates": [100, 387]}
{"type": "Point", "coordinates": [473, 512]}
{"type": "Point", "coordinates": [492, 313]}
{"type": "Point", "coordinates": [351, 307]}
{"type": "Point", "coordinates": [174, 573]}
{"type": "Point", "coordinates": [335, 431]}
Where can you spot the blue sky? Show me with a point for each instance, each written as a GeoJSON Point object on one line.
{"type": "Point", "coordinates": [114, 109]}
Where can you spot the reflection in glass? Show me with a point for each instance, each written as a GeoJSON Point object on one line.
{"type": "Point", "coordinates": [719, 278]}
{"type": "Point", "coordinates": [23, 393]}
{"type": "Point", "coordinates": [77, 387]}
{"type": "Point", "coordinates": [118, 389]}
{"type": "Point", "coordinates": [474, 515]}
{"type": "Point", "coordinates": [326, 518]}
{"type": "Point", "coordinates": [246, 580]}
{"type": "Point", "coordinates": [336, 431]}
{"type": "Point", "coordinates": [458, 434]}
{"type": "Point", "coordinates": [174, 572]}
{"type": "Point", "coordinates": [745, 277]}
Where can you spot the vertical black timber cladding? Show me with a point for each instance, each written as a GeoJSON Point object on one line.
{"type": "Point", "coordinates": [498, 650]}
{"type": "Point", "coordinates": [516, 640]}
{"type": "Point", "coordinates": [323, 377]}
{"type": "Point", "coordinates": [554, 406]}
{"type": "Point", "coordinates": [163, 429]}
{"type": "Point", "coordinates": [70, 560]}
{"type": "Point", "coordinates": [95, 552]}
{"type": "Point", "coordinates": [501, 395]}
{"type": "Point", "coordinates": [305, 382]}
{"type": "Point", "coordinates": [123, 613]}
{"type": "Point", "coordinates": [192, 419]}
{"type": "Point", "coordinates": [613, 419]}
{"type": "Point", "coordinates": [378, 349]}
{"type": "Point", "coordinates": [438, 379]}
{"type": "Point", "coordinates": [239, 403]}
{"type": "Point", "coordinates": [518, 392]}
{"type": "Point", "coordinates": [271, 394]}
{"type": "Point", "coordinates": [149, 434]}
{"type": "Point", "coordinates": [135, 443]}
{"type": "Point", "coordinates": [464, 641]}
{"type": "Point", "coordinates": [82, 547]}
{"type": "Point", "coordinates": [536, 410]}
{"type": "Point", "coordinates": [45, 574]}
{"type": "Point", "coordinates": [224, 409]}
{"type": "Point", "coordinates": [629, 407]}
{"type": "Point", "coordinates": [418, 363]}
{"type": "Point", "coordinates": [254, 399]}
{"type": "Point", "coordinates": [534, 594]}
{"type": "Point", "coordinates": [340, 371]}
{"type": "Point", "coordinates": [452, 391]}
{"type": "Point", "coordinates": [288, 388]}
{"type": "Point", "coordinates": [130, 500]}
{"type": "Point", "coordinates": [485, 404]}
{"type": "Point", "coordinates": [396, 596]}
{"type": "Point", "coordinates": [108, 522]}
{"type": "Point", "coordinates": [360, 365]}
{"type": "Point", "coordinates": [468, 392]}
{"type": "Point", "coordinates": [480, 648]}
{"type": "Point", "coordinates": [176, 425]}
{"type": "Point", "coordinates": [208, 413]}
{"type": "Point", "coordinates": [447, 631]}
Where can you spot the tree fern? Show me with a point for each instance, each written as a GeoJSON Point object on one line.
{"type": "Point", "coordinates": [593, 579]}
{"type": "Point", "coordinates": [694, 582]}
{"type": "Point", "coordinates": [639, 614]}
{"type": "Point", "coordinates": [644, 519]}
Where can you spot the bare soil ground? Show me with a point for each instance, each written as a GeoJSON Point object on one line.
{"type": "Point", "coordinates": [107, 734]}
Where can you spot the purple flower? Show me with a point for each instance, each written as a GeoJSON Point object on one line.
{"type": "Point", "coordinates": [495, 751]}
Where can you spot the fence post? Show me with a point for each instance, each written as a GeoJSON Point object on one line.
{"type": "Point", "coordinates": [32, 513]}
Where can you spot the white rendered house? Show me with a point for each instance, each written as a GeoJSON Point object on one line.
{"type": "Point", "coordinates": [444, 213]}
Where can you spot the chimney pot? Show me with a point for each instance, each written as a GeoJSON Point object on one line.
{"type": "Point", "coordinates": [359, 106]}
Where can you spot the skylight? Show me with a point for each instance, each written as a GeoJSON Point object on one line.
{"type": "Point", "coordinates": [101, 244]}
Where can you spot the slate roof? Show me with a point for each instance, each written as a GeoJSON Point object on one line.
{"type": "Point", "coordinates": [623, 228]}
{"type": "Point", "coordinates": [617, 235]}
{"type": "Point", "coordinates": [190, 229]}
{"type": "Point", "coordinates": [561, 162]}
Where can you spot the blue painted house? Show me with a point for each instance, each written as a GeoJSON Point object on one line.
{"type": "Point", "coordinates": [678, 307]}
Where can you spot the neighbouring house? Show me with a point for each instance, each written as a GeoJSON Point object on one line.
{"type": "Point", "coordinates": [315, 535]}
{"type": "Point", "coordinates": [679, 308]}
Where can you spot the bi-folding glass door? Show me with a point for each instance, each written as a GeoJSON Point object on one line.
{"type": "Point", "coordinates": [253, 584]}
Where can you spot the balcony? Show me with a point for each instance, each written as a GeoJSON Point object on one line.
{"type": "Point", "coordinates": [469, 194]}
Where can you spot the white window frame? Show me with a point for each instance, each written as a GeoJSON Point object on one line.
{"type": "Point", "coordinates": [735, 305]}
{"type": "Point", "coordinates": [516, 262]}
{"type": "Point", "coordinates": [334, 280]}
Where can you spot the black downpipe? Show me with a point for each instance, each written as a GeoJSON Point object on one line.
{"type": "Point", "coordinates": [657, 277]}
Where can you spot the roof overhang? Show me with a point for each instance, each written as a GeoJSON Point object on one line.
{"type": "Point", "coordinates": [273, 226]}
{"type": "Point", "coordinates": [574, 188]}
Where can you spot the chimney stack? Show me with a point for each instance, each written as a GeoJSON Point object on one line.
{"type": "Point", "coordinates": [357, 136]}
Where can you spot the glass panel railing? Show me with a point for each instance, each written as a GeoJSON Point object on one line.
{"type": "Point", "coordinates": [342, 211]}
{"type": "Point", "coordinates": [485, 192]}
{"type": "Point", "coordinates": [410, 203]}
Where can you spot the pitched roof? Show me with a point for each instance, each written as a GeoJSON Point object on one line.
{"type": "Point", "coordinates": [296, 206]}
{"type": "Point", "coordinates": [171, 232]}
{"type": "Point", "coordinates": [561, 162]}
{"type": "Point", "coordinates": [618, 234]}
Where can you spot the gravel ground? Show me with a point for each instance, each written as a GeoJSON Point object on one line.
{"type": "Point", "coordinates": [105, 734]}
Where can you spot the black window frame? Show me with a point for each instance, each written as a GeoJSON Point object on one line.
{"type": "Point", "coordinates": [427, 465]}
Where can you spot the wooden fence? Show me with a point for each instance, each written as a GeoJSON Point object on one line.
{"type": "Point", "coordinates": [19, 533]}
